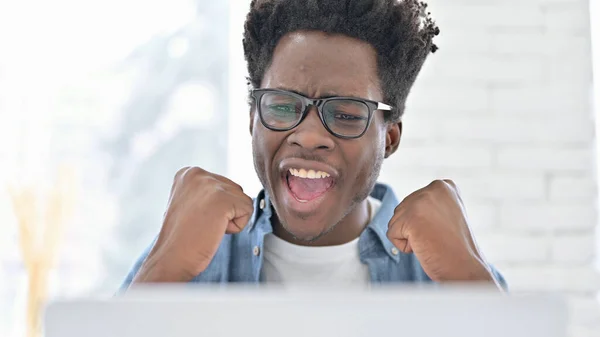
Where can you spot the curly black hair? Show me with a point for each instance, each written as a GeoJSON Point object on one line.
{"type": "Point", "coordinates": [401, 31]}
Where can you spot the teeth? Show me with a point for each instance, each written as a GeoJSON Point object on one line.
{"type": "Point", "coordinates": [308, 174]}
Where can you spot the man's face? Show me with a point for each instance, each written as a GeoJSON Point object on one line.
{"type": "Point", "coordinates": [319, 65]}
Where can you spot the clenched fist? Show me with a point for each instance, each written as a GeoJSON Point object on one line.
{"type": "Point", "coordinates": [432, 224]}
{"type": "Point", "coordinates": [202, 208]}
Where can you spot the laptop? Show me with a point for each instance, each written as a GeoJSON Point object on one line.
{"type": "Point", "coordinates": [178, 311]}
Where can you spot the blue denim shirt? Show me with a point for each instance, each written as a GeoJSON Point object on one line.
{"type": "Point", "coordinates": [239, 257]}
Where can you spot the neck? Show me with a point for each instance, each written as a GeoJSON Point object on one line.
{"type": "Point", "coordinates": [348, 229]}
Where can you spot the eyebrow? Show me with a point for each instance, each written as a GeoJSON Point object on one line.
{"type": "Point", "coordinates": [327, 94]}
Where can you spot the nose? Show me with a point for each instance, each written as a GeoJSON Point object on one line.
{"type": "Point", "coordinates": [311, 133]}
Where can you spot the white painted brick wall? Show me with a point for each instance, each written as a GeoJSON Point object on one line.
{"type": "Point", "coordinates": [504, 109]}
{"type": "Point", "coordinates": [535, 101]}
{"type": "Point", "coordinates": [548, 217]}
{"type": "Point", "coordinates": [565, 187]}
{"type": "Point", "coordinates": [579, 280]}
{"type": "Point", "coordinates": [574, 159]}
{"type": "Point", "coordinates": [572, 249]}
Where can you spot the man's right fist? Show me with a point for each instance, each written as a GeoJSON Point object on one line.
{"type": "Point", "coordinates": [202, 208]}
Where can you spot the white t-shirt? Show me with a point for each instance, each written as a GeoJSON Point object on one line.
{"type": "Point", "coordinates": [287, 263]}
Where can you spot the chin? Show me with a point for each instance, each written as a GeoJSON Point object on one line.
{"type": "Point", "coordinates": [306, 229]}
{"type": "Point", "coordinates": [305, 236]}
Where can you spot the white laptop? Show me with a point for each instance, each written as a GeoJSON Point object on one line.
{"type": "Point", "coordinates": [327, 312]}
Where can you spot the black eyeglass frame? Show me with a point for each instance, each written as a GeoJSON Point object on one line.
{"type": "Point", "coordinates": [373, 106]}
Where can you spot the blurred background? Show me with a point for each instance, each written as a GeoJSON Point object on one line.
{"type": "Point", "coordinates": [101, 102]}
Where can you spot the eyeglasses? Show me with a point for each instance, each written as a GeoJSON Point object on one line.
{"type": "Point", "coordinates": [343, 117]}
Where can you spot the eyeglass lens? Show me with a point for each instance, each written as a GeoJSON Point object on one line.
{"type": "Point", "coordinates": [344, 117]}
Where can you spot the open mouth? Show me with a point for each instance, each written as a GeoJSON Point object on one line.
{"type": "Point", "coordinates": [308, 185]}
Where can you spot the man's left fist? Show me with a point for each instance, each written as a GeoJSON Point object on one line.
{"type": "Point", "coordinates": [432, 224]}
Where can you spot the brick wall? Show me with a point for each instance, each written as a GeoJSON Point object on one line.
{"type": "Point", "coordinates": [504, 108]}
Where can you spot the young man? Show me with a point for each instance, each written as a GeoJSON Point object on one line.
{"type": "Point", "coordinates": [329, 80]}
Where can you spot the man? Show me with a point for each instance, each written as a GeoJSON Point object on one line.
{"type": "Point", "coordinates": [329, 81]}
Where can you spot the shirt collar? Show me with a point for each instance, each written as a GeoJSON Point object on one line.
{"type": "Point", "coordinates": [379, 225]}
{"type": "Point", "coordinates": [263, 211]}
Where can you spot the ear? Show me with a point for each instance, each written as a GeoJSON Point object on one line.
{"type": "Point", "coordinates": [252, 104]}
{"type": "Point", "coordinates": [251, 121]}
{"type": "Point", "coordinates": [392, 138]}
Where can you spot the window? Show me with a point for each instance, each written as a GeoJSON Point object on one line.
{"type": "Point", "coordinates": [115, 96]}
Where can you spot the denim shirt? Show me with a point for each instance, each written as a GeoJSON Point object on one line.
{"type": "Point", "coordinates": [239, 258]}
